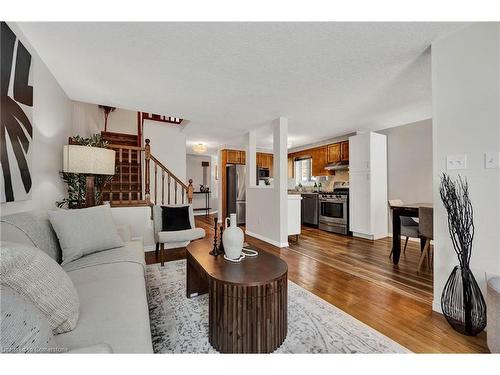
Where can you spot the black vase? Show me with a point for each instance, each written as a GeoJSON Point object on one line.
{"type": "Point", "coordinates": [462, 302]}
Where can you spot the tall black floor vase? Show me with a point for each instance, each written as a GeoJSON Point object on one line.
{"type": "Point", "coordinates": [462, 302]}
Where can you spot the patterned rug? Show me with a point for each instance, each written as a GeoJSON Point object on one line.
{"type": "Point", "coordinates": [180, 324]}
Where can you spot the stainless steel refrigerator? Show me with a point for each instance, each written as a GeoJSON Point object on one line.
{"type": "Point", "coordinates": [236, 191]}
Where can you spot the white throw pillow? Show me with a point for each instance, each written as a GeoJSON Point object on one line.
{"type": "Point", "coordinates": [37, 277]}
{"type": "Point", "coordinates": [84, 231]}
{"type": "Point", "coordinates": [23, 327]}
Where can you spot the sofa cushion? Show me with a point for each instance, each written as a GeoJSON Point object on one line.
{"type": "Point", "coordinates": [132, 252]}
{"type": "Point", "coordinates": [84, 231]}
{"type": "Point", "coordinates": [32, 228]}
{"type": "Point", "coordinates": [23, 327]}
{"type": "Point", "coordinates": [113, 309]}
{"type": "Point", "coordinates": [33, 274]}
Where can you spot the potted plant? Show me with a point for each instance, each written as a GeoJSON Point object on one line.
{"type": "Point", "coordinates": [462, 302]}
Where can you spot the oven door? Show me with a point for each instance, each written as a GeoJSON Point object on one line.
{"type": "Point", "coordinates": [333, 211]}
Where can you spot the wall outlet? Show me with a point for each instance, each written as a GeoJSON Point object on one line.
{"type": "Point", "coordinates": [492, 160]}
{"type": "Point", "coordinates": [456, 162]}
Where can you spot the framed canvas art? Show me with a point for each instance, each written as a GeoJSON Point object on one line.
{"type": "Point", "coordinates": [16, 130]}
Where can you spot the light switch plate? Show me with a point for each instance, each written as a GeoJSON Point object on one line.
{"type": "Point", "coordinates": [456, 162]}
{"type": "Point", "coordinates": [492, 160]}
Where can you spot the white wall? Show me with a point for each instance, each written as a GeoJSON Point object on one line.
{"type": "Point", "coordinates": [139, 220]}
{"type": "Point", "coordinates": [168, 145]}
{"type": "Point", "coordinates": [267, 207]}
{"type": "Point", "coordinates": [466, 120]}
{"type": "Point", "coordinates": [409, 163]}
{"type": "Point", "coordinates": [52, 113]}
{"type": "Point", "coordinates": [194, 171]}
{"type": "Point", "coordinates": [89, 119]}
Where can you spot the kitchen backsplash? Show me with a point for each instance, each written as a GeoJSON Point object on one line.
{"type": "Point", "coordinates": [326, 181]}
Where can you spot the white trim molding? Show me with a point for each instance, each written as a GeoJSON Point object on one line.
{"type": "Point", "coordinates": [268, 240]}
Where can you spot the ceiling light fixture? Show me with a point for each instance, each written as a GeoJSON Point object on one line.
{"type": "Point", "coordinates": [200, 148]}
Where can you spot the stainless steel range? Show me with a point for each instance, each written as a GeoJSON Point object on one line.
{"type": "Point", "coordinates": [334, 210]}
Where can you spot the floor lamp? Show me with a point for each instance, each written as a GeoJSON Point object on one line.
{"type": "Point", "coordinates": [90, 161]}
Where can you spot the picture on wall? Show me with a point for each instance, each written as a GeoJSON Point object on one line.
{"type": "Point", "coordinates": [16, 131]}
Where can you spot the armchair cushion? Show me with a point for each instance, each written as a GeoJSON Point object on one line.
{"type": "Point", "coordinates": [181, 235]}
{"type": "Point", "coordinates": [175, 218]}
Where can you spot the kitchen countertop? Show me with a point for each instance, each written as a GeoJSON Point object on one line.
{"type": "Point", "coordinates": [300, 192]}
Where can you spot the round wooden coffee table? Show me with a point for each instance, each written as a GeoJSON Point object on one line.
{"type": "Point", "coordinates": [247, 300]}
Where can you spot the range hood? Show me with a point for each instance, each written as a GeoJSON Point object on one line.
{"type": "Point", "coordinates": [338, 166]}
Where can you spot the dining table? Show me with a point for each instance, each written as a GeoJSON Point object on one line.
{"type": "Point", "coordinates": [408, 210]}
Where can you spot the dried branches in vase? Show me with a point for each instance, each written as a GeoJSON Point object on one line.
{"type": "Point", "coordinates": [462, 302]}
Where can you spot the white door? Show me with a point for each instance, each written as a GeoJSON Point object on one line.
{"type": "Point", "coordinates": [359, 203]}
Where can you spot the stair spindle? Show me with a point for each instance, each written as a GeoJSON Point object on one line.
{"type": "Point", "coordinates": [156, 182]}
{"type": "Point", "coordinates": [162, 186]}
{"type": "Point", "coordinates": [130, 176]}
{"type": "Point", "coordinates": [175, 191]}
{"type": "Point", "coordinates": [168, 189]}
{"type": "Point", "coordinates": [147, 156]}
{"type": "Point", "coordinates": [139, 187]}
{"type": "Point", "coordinates": [121, 173]}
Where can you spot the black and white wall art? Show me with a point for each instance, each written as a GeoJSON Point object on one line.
{"type": "Point", "coordinates": [16, 129]}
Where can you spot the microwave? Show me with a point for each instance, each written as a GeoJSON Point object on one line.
{"type": "Point", "coordinates": [262, 173]}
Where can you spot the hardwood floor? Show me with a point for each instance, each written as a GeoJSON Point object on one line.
{"type": "Point", "coordinates": [358, 277]}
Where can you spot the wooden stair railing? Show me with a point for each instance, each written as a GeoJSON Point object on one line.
{"type": "Point", "coordinates": [128, 187]}
{"type": "Point", "coordinates": [186, 191]}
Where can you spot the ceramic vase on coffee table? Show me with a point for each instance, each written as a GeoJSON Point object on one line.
{"type": "Point", "coordinates": [232, 238]}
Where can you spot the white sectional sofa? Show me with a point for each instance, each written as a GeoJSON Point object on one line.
{"type": "Point", "coordinates": [111, 287]}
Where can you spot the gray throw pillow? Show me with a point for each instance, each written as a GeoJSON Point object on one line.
{"type": "Point", "coordinates": [37, 277]}
{"type": "Point", "coordinates": [23, 327]}
{"type": "Point", "coordinates": [84, 231]}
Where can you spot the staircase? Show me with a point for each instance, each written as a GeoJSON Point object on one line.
{"type": "Point", "coordinates": [132, 184]}
{"type": "Point", "coordinates": [126, 186]}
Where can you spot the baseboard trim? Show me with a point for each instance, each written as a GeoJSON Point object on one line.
{"type": "Point", "coordinates": [362, 235]}
{"type": "Point", "coordinates": [266, 239]}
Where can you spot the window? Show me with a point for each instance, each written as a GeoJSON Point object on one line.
{"type": "Point", "coordinates": [303, 170]}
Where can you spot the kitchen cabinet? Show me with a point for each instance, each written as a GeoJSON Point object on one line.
{"type": "Point", "coordinates": [368, 185]}
{"type": "Point", "coordinates": [344, 151]}
{"type": "Point", "coordinates": [319, 161]}
{"type": "Point", "coordinates": [235, 156]}
{"type": "Point", "coordinates": [291, 167]}
{"type": "Point", "coordinates": [294, 214]}
{"type": "Point", "coordinates": [338, 152]}
{"type": "Point", "coordinates": [334, 153]}
{"type": "Point", "coordinates": [265, 160]}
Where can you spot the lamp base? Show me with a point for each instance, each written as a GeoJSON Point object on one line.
{"type": "Point", "coordinates": [89, 191]}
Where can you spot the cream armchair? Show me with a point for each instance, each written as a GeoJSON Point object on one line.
{"type": "Point", "coordinates": [173, 239]}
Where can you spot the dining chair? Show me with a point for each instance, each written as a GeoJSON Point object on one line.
{"type": "Point", "coordinates": [409, 227]}
{"type": "Point", "coordinates": [425, 229]}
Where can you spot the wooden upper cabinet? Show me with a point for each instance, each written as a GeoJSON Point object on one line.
{"type": "Point", "coordinates": [291, 167]}
{"type": "Point", "coordinates": [264, 160]}
{"type": "Point", "coordinates": [243, 157]}
{"type": "Point", "coordinates": [334, 153]}
{"type": "Point", "coordinates": [344, 151]}
{"type": "Point", "coordinates": [319, 161]}
{"type": "Point", "coordinates": [235, 156]}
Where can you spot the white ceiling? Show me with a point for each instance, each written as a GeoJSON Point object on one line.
{"type": "Point", "coordinates": [328, 79]}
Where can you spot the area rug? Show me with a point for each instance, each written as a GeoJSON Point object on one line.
{"type": "Point", "coordinates": [180, 324]}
